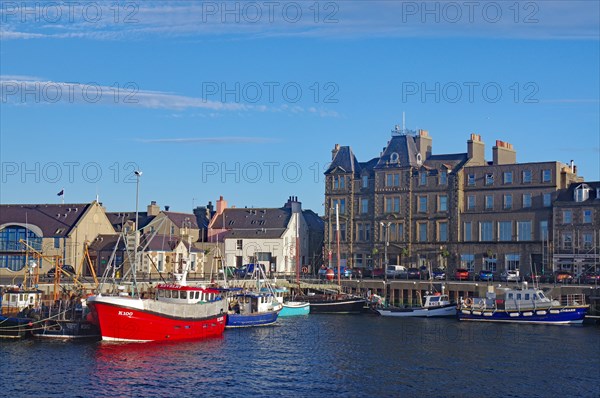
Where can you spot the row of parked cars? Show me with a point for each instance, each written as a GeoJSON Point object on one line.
{"type": "Point", "coordinates": [463, 274]}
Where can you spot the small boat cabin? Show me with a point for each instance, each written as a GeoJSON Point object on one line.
{"type": "Point", "coordinates": [15, 300]}
{"type": "Point", "coordinates": [173, 293]}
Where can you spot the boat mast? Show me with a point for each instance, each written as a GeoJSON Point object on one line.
{"type": "Point", "coordinates": [297, 249]}
{"type": "Point", "coordinates": [337, 233]}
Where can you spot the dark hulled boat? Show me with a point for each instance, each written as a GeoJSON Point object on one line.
{"type": "Point", "coordinates": [335, 304]}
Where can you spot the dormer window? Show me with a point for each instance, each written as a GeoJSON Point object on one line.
{"type": "Point", "coordinates": [582, 193]}
{"type": "Point", "coordinates": [394, 157]}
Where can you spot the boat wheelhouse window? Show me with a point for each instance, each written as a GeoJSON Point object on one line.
{"type": "Point", "coordinates": [436, 298]}
{"type": "Point", "coordinates": [535, 296]}
{"type": "Point", "coordinates": [526, 296]}
{"type": "Point", "coordinates": [161, 293]}
{"type": "Point", "coordinates": [518, 296]}
{"type": "Point", "coordinates": [168, 293]}
{"type": "Point", "coordinates": [183, 295]}
{"type": "Point", "coordinates": [510, 296]}
{"type": "Point", "coordinates": [541, 295]}
{"type": "Point", "coordinates": [14, 297]}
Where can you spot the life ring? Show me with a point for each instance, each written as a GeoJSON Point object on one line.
{"type": "Point", "coordinates": [468, 301]}
{"type": "Point", "coordinates": [305, 270]}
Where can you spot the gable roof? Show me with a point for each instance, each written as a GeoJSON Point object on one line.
{"type": "Point", "coordinates": [56, 220]}
{"type": "Point", "coordinates": [118, 219]}
{"type": "Point", "coordinates": [180, 219]}
{"type": "Point", "coordinates": [262, 223]}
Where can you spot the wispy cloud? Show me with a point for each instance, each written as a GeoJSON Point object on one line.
{"type": "Point", "coordinates": [571, 101]}
{"type": "Point", "coordinates": [209, 140]}
{"type": "Point", "coordinates": [574, 19]}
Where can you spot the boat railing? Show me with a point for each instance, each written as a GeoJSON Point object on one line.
{"type": "Point", "coordinates": [572, 300]}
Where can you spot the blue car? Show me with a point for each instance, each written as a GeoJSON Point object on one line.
{"type": "Point", "coordinates": [485, 275]}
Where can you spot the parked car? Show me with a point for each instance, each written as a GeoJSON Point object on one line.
{"type": "Point", "coordinates": [539, 278]}
{"type": "Point", "coordinates": [344, 272]}
{"type": "Point", "coordinates": [563, 277]}
{"type": "Point", "coordinates": [424, 273]}
{"type": "Point", "coordinates": [247, 270]}
{"type": "Point", "coordinates": [371, 272]}
{"type": "Point", "coordinates": [357, 273]}
{"type": "Point", "coordinates": [396, 271]}
{"type": "Point", "coordinates": [68, 270]}
{"type": "Point", "coordinates": [509, 276]}
{"type": "Point", "coordinates": [439, 274]}
{"type": "Point", "coordinates": [413, 273]}
{"type": "Point", "coordinates": [592, 278]}
{"type": "Point", "coordinates": [485, 275]}
{"type": "Point", "coordinates": [461, 274]}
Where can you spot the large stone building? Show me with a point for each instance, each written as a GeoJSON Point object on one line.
{"type": "Point", "coordinates": [50, 229]}
{"type": "Point", "coordinates": [576, 237]}
{"type": "Point", "coordinates": [441, 210]}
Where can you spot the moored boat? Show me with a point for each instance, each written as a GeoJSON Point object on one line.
{"type": "Point", "coordinates": [19, 311]}
{"type": "Point", "coordinates": [436, 305]}
{"type": "Point", "coordinates": [290, 307]}
{"type": "Point", "coordinates": [177, 312]}
{"type": "Point", "coordinates": [335, 303]}
{"type": "Point", "coordinates": [524, 305]}
{"type": "Point", "coordinates": [247, 309]}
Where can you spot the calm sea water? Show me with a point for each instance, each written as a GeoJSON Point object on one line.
{"type": "Point", "coordinates": [319, 356]}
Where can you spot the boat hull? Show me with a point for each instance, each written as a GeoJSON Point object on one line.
{"type": "Point", "coordinates": [346, 306]}
{"type": "Point", "coordinates": [557, 316]}
{"type": "Point", "coordinates": [250, 320]}
{"type": "Point", "coordinates": [294, 308]}
{"type": "Point", "coordinates": [142, 320]}
{"type": "Point", "coordinates": [14, 327]}
{"type": "Point", "coordinates": [442, 311]}
{"type": "Point", "coordinates": [67, 329]}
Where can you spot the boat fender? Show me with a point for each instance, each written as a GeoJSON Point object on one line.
{"type": "Point", "coordinates": [468, 301]}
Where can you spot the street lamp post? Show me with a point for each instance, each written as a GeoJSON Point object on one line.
{"type": "Point", "coordinates": [386, 243]}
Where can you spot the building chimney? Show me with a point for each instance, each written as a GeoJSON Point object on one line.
{"type": "Point", "coordinates": [335, 151]}
{"type": "Point", "coordinates": [424, 143]}
{"type": "Point", "coordinates": [476, 151]}
{"type": "Point", "coordinates": [221, 205]}
{"type": "Point", "coordinates": [167, 208]}
{"type": "Point", "coordinates": [503, 153]}
{"type": "Point", "coordinates": [153, 209]}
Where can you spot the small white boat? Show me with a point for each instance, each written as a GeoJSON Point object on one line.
{"type": "Point", "coordinates": [437, 305]}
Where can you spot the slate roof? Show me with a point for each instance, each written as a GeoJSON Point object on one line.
{"type": "Point", "coordinates": [314, 222]}
{"type": "Point", "coordinates": [405, 147]}
{"type": "Point", "coordinates": [567, 195]}
{"type": "Point", "coordinates": [261, 223]}
{"type": "Point", "coordinates": [345, 161]}
{"type": "Point", "coordinates": [180, 218]}
{"type": "Point", "coordinates": [107, 243]}
{"type": "Point", "coordinates": [55, 220]}
{"type": "Point", "coordinates": [451, 161]}
{"type": "Point", "coordinates": [368, 166]}
{"type": "Point", "coordinates": [117, 219]}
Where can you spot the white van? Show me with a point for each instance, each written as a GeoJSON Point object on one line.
{"type": "Point", "coordinates": [396, 271]}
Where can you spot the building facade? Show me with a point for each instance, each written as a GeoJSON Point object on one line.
{"type": "Point", "coordinates": [576, 234]}
{"type": "Point", "coordinates": [52, 230]}
{"type": "Point", "coordinates": [416, 208]}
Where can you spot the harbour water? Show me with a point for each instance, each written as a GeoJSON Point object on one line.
{"type": "Point", "coordinates": [320, 355]}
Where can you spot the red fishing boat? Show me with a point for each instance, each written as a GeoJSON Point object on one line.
{"type": "Point", "coordinates": [177, 312]}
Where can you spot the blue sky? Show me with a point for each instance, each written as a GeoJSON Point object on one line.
{"type": "Point", "coordinates": [247, 101]}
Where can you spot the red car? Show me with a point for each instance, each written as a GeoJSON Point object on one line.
{"type": "Point", "coordinates": [461, 274]}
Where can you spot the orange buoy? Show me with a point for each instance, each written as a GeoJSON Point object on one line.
{"type": "Point", "coordinates": [330, 274]}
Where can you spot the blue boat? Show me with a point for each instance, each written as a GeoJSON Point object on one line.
{"type": "Point", "coordinates": [290, 308]}
{"type": "Point", "coordinates": [524, 305]}
{"type": "Point", "coordinates": [248, 309]}
{"type": "Point", "coordinates": [295, 308]}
